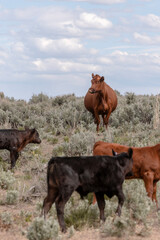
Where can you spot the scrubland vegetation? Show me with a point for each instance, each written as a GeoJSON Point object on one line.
{"type": "Point", "coordinates": [66, 128]}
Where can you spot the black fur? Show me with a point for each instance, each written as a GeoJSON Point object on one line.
{"type": "Point", "coordinates": [98, 174]}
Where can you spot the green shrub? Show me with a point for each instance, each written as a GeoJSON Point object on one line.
{"type": "Point", "coordinates": [52, 140]}
{"type": "Point", "coordinates": [6, 218]}
{"type": "Point", "coordinates": [76, 215]}
{"type": "Point", "coordinates": [81, 213]}
{"type": "Point", "coordinates": [12, 197]}
{"type": "Point", "coordinates": [57, 151]}
{"type": "Point", "coordinates": [136, 208]}
{"type": "Point", "coordinates": [71, 232]}
{"type": "Point", "coordinates": [79, 144]}
{"type": "Point", "coordinates": [130, 98]}
{"type": "Point", "coordinates": [118, 226]}
{"type": "Point", "coordinates": [38, 98]}
{"type": "Point", "coordinates": [137, 200]}
{"type": "Point", "coordinates": [40, 229]}
{"type": "Point", "coordinates": [6, 179]}
{"type": "Point", "coordinates": [66, 113]}
{"type": "Point", "coordinates": [3, 117]}
{"type": "Point", "coordinates": [26, 216]}
{"type": "Point", "coordinates": [60, 100]}
{"type": "Point", "coordinates": [2, 95]}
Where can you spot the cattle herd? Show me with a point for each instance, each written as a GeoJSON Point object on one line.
{"type": "Point", "coordinates": [102, 173]}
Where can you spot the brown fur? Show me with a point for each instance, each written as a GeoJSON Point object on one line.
{"type": "Point", "coordinates": [100, 100]}
{"type": "Point", "coordinates": [15, 140]}
{"type": "Point", "coordinates": [146, 163]}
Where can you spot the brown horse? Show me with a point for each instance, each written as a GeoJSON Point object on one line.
{"type": "Point", "coordinates": [100, 100]}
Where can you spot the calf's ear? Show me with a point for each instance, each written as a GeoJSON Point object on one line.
{"type": "Point", "coordinates": [92, 75]}
{"type": "Point", "coordinates": [114, 153]}
{"type": "Point", "coordinates": [102, 79]}
{"type": "Point", "coordinates": [130, 152]}
{"type": "Point", "coordinates": [33, 130]}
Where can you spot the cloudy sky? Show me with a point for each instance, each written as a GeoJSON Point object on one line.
{"type": "Point", "coordinates": [53, 46]}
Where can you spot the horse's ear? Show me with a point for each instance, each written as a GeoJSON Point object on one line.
{"type": "Point", "coordinates": [92, 75]}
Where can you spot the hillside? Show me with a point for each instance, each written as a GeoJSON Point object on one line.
{"type": "Point", "coordinates": [66, 128]}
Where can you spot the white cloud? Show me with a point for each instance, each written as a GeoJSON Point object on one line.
{"type": "Point", "coordinates": [102, 1]}
{"type": "Point", "coordinates": [151, 20]}
{"type": "Point", "coordinates": [70, 27]}
{"type": "Point", "coordinates": [3, 57]}
{"type": "Point", "coordinates": [119, 53]}
{"type": "Point", "coordinates": [18, 47]}
{"type": "Point", "coordinates": [97, 1]}
{"type": "Point", "coordinates": [54, 65]}
{"type": "Point", "coordinates": [142, 62]}
{"type": "Point", "coordinates": [57, 21]}
{"type": "Point", "coordinates": [91, 20]}
{"type": "Point", "coordinates": [2, 62]}
{"type": "Point", "coordinates": [55, 18]}
{"type": "Point", "coordinates": [59, 46]}
{"type": "Point", "coordinates": [19, 14]}
{"type": "Point", "coordinates": [72, 41]}
{"type": "Point", "coordinates": [104, 60]}
{"type": "Point", "coordinates": [145, 0]}
{"type": "Point", "coordinates": [50, 21]}
{"type": "Point", "coordinates": [107, 1]}
{"type": "Point", "coordinates": [3, 54]}
{"type": "Point", "coordinates": [155, 58]}
{"type": "Point", "coordinates": [142, 38]}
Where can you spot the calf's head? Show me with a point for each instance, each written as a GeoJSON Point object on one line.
{"type": "Point", "coordinates": [34, 136]}
{"type": "Point", "coordinates": [97, 84]}
{"type": "Point", "coordinates": [126, 161]}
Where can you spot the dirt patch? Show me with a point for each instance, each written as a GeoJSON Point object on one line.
{"type": "Point", "coordinates": [46, 149]}
{"type": "Point", "coordinates": [20, 225]}
{"type": "Point", "coordinates": [11, 235]}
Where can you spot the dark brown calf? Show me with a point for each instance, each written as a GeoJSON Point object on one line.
{"type": "Point", "coordinates": [15, 140]}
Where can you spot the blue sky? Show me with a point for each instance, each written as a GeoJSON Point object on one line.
{"type": "Point", "coordinates": [54, 46]}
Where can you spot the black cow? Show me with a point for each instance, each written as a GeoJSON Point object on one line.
{"type": "Point", "coordinates": [15, 140]}
{"type": "Point", "coordinates": [98, 174]}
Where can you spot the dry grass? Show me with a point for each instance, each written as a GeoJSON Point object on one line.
{"type": "Point", "coordinates": [32, 191]}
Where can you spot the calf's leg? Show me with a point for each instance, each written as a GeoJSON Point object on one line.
{"type": "Point", "coordinates": [49, 200]}
{"type": "Point", "coordinates": [60, 204]}
{"type": "Point", "coordinates": [121, 199]}
{"type": "Point", "coordinates": [148, 178]}
{"type": "Point", "coordinates": [66, 192]}
{"type": "Point", "coordinates": [101, 204]}
{"type": "Point", "coordinates": [13, 157]}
